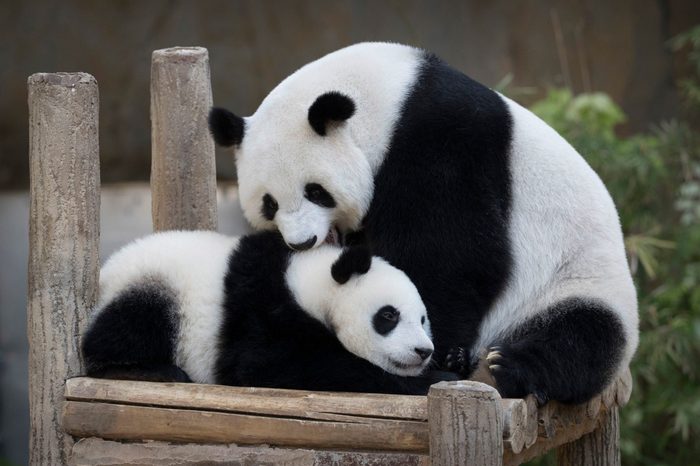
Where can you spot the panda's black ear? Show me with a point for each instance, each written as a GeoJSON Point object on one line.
{"type": "Point", "coordinates": [226, 127]}
{"type": "Point", "coordinates": [331, 106]}
{"type": "Point", "coordinates": [353, 260]}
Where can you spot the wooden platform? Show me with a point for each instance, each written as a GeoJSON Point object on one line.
{"type": "Point", "coordinates": [210, 414]}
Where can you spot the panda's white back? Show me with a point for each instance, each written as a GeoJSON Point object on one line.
{"type": "Point", "coordinates": [192, 265]}
{"type": "Point", "coordinates": [565, 234]}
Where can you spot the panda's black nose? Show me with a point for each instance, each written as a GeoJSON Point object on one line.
{"type": "Point", "coordinates": [305, 245]}
{"type": "Point", "coordinates": [424, 353]}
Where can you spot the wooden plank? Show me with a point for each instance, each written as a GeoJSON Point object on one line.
{"type": "Point", "coordinates": [98, 452]}
{"type": "Point", "coordinates": [183, 165]}
{"type": "Point", "coordinates": [129, 422]}
{"type": "Point", "coordinates": [63, 245]}
{"type": "Point", "coordinates": [466, 425]}
{"type": "Point", "coordinates": [295, 403]}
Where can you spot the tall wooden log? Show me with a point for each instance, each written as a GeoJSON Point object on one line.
{"type": "Point", "coordinates": [598, 448]}
{"type": "Point", "coordinates": [465, 424]}
{"type": "Point", "coordinates": [183, 166]}
{"type": "Point", "coordinates": [63, 246]}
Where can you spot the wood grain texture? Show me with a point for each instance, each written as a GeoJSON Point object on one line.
{"type": "Point", "coordinates": [183, 165]}
{"type": "Point", "coordinates": [98, 452]}
{"type": "Point", "coordinates": [249, 400]}
{"type": "Point", "coordinates": [514, 423]}
{"type": "Point", "coordinates": [465, 424]}
{"type": "Point", "coordinates": [531, 429]}
{"type": "Point", "coordinates": [129, 422]}
{"type": "Point", "coordinates": [63, 245]}
{"type": "Point", "coordinates": [598, 448]}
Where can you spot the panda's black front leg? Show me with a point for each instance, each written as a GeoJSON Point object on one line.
{"type": "Point", "coordinates": [568, 352]}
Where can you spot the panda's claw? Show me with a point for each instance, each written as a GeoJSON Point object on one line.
{"type": "Point", "coordinates": [494, 355]}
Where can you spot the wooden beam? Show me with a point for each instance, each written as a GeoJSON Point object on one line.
{"type": "Point", "coordinates": [466, 424]}
{"type": "Point", "coordinates": [183, 165]}
{"type": "Point", "coordinates": [130, 422]}
{"type": "Point", "coordinates": [249, 400]}
{"type": "Point", "coordinates": [63, 245]}
{"type": "Point", "coordinates": [98, 452]}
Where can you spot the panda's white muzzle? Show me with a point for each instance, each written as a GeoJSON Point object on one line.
{"type": "Point", "coordinates": [306, 227]}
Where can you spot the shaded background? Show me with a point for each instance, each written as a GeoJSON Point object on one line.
{"type": "Point", "coordinates": [618, 46]}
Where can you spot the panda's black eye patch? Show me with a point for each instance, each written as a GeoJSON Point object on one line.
{"type": "Point", "coordinates": [269, 207]}
{"type": "Point", "coordinates": [315, 193]}
{"type": "Point", "coordinates": [385, 320]}
{"type": "Point", "coordinates": [422, 320]}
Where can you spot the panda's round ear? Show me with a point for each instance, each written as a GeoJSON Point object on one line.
{"type": "Point", "coordinates": [226, 127]}
{"type": "Point", "coordinates": [353, 260]}
{"type": "Point", "coordinates": [331, 106]}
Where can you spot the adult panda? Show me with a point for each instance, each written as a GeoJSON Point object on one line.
{"type": "Point", "coordinates": [180, 306]}
{"type": "Point", "coordinates": [510, 237]}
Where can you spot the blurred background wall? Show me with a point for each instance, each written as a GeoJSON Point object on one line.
{"type": "Point", "coordinates": [617, 46]}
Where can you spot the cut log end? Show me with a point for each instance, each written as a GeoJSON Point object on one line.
{"type": "Point", "coordinates": [61, 79]}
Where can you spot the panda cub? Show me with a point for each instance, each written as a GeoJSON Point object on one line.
{"type": "Point", "coordinates": [510, 237]}
{"type": "Point", "coordinates": [200, 306]}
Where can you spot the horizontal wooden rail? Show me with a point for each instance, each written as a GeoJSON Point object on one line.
{"type": "Point", "coordinates": [131, 410]}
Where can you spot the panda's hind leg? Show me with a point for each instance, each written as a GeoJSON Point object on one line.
{"type": "Point", "coordinates": [567, 353]}
{"type": "Point", "coordinates": [134, 336]}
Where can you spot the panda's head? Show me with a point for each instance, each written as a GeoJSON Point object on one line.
{"type": "Point", "coordinates": [299, 168]}
{"type": "Point", "coordinates": [373, 308]}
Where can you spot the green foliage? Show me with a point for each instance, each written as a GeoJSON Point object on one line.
{"type": "Point", "coordinates": [654, 179]}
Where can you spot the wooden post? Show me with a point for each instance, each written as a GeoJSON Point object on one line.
{"type": "Point", "coordinates": [465, 424]}
{"type": "Point", "coordinates": [183, 165]}
{"type": "Point", "coordinates": [599, 448]}
{"type": "Point", "coordinates": [63, 246]}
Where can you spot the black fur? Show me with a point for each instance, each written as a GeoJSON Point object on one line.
{"type": "Point", "coordinates": [568, 353]}
{"type": "Point", "coordinates": [267, 340]}
{"type": "Point", "coordinates": [226, 127]}
{"type": "Point", "coordinates": [133, 337]}
{"type": "Point", "coordinates": [441, 211]}
{"type": "Point", "coordinates": [269, 207]}
{"type": "Point", "coordinates": [386, 319]}
{"type": "Point", "coordinates": [331, 106]}
{"type": "Point", "coordinates": [317, 194]}
{"type": "Point", "coordinates": [442, 199]}
{"type": "Point", "coordinates": [353, 260]}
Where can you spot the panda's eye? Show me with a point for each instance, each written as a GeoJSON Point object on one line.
{"type": "Point", "coordinates": [385, 320]}
{"type": "Point", "coordinates": [269, 207]}
{"type": "Point", "coordinates": [315, 193]}
{"type": "Point", "coordinates": [422, 320]}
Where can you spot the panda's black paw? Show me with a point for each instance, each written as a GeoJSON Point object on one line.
{"type": "Point", "coordinates": [514, 378]}
{"type": "Point", "coordinates": [457, 360]}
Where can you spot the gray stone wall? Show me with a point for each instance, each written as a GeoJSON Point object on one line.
{"type": "Point", "coordinates": [617, 46]}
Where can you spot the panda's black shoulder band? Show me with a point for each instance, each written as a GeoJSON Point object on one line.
{"type": "Point", "coordinates": [226, 127]}
{"type": "Point", "coordinates": [331, 106]}
{"type": "Point", "coordinates": [353, 260]}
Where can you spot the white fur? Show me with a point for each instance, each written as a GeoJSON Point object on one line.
{"type": "Point", "coordinates": [281, 153]}
{"type": "Point", "coordinates": [565, 232]}
{"type": "Point", "coordinates": [348, 309]}
{"type": "Point", "coordinates": [190, 263]}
